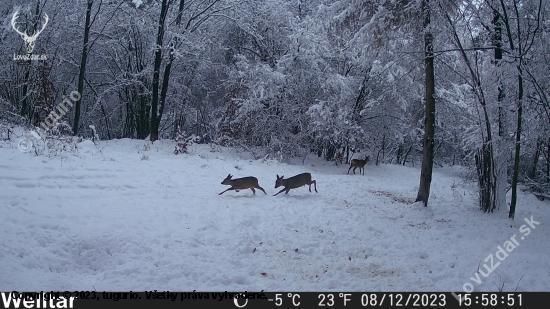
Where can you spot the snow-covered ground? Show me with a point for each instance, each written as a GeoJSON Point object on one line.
{"type": "Point", "coordinates": [133, 216]}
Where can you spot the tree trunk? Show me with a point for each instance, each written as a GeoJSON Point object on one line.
{"type": "Point", "coordinates": [519, 60]}
{"type": "Point", "coordinates": [399, 154]}
{"type": "Point", "coordinates": [363, 93]}
{"type": "Point", "coordinates": [501, 146]}
{"type": "Point", "coordinates": [180, 11]}
{"type": "Point", "coordinates": [155, 117]}
{"type": "Point", "coordinates": [143, 121]}
{"type": "Point", "coordinates": [429, 124]}
{"type": "Point", "coordinates": [407, 154]}
{"type": "Point", "coordinates": [82, 66]}
{"type": "Point", "coordinates": [485, 177]}
{"type": "Point", "coordinates": [533, 174]}
{"type": "Point", "coordinates": [165, 82]}
{"type": "Point", "coordinates": [512, 212]}
{"type": "Point", "coordinates": [548, 162]}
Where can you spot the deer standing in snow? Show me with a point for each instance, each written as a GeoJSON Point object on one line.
{"type": "Point", "coordinates": [355, 163]}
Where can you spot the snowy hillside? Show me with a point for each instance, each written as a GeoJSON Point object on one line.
{"type": "Point", "coordinates": [131, 216]}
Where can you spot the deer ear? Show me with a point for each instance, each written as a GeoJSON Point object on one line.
{"type": "Point", "coordinates": [277, 176]}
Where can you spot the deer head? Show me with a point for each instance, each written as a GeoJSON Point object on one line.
{"type": "Point", "coordinates": [29, 40]}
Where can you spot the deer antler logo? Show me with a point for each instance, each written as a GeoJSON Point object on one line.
{"type": "Point", "coordinates": [29, 40]}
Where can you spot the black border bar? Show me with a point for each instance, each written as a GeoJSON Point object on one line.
{"type": "Point", "coordinates": [245, 299]}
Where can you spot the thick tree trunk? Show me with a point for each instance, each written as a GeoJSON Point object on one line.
{"type": "Point", "coordinates": [165, 82]}
{"type": "Point", "coordinates": [155, 117]}
{"type": "Point", "coordinates": [485, 178]}
{"type": "Point", "coordinates": [143, 121]}
{"type": "Point", "coordinates": [82, 67]}
{"type": "Point", "coordinates": [515, 177]}
{"type": "Point", "coordinates": [429, 127]}
{"type": "Point", "coordinates": [501, 145]}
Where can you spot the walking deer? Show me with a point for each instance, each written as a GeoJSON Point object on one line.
{"type": "Point", "coordinates": [355, 163]}
{"type": "Point", "coordinates": [295, 182]}
{"type": "Point", "coordinates": [241, 184]}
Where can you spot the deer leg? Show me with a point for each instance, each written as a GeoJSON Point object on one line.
{"type": "Point", "coordinates": [225, 191]}
{"type": "Point", "coordinates": [258, 187]}
{"type": "Point", "coordinates": [253, 191]}
{"type": "Point", "coordinates": [349, 169]}
{"type": "Point", "coordinates": [315, 183]}
{"type": "Point", "coordinates": [280, 192]}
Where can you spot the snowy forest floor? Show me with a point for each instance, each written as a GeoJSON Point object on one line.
{"type": "Point", "coordinates": [122, 217]}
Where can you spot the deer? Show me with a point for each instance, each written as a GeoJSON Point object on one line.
{"type": "Point", "coordinates": [295, 182]}
{"type": "Point", "coordinates": [241, 184]}
{"type": "Point", "coordinates": [356, 163]}
{"type": "Point", "coordinates": [29, 40]}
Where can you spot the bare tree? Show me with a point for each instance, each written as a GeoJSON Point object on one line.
{"type": "Point", "coordinates": [25, 110]}
{"type": "Point", "coordinates": [195, 15]}
{"type": "Point", "coordinates": [84, 55]}
{"type": "Point", "coordinates": [524, 39]}
{"type": "Point", "coordinates": [429, 127]}
{"type": "Point", "coordinates": [156, 113]}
